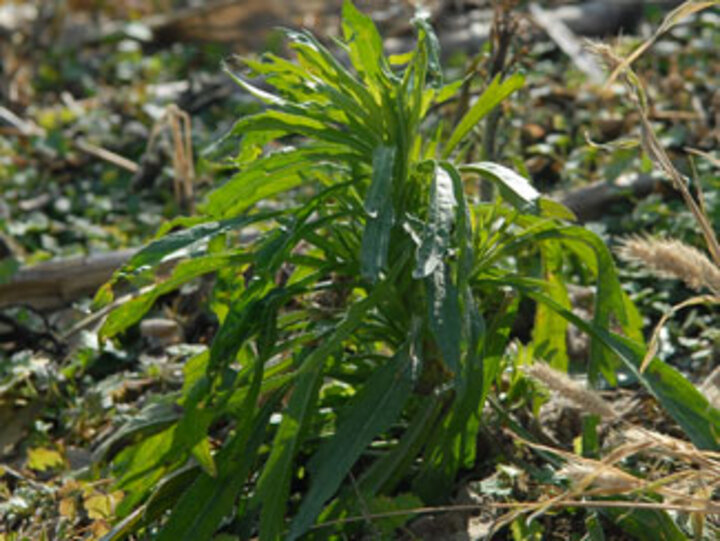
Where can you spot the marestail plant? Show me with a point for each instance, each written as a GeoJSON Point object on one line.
{"type": "Point", "coordinates": [365, 302]}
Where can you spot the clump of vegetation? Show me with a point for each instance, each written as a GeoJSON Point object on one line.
{"type": "Point", "coordinates": [357, 332]}
{"type": "Point", "coordinates": [365, 301]}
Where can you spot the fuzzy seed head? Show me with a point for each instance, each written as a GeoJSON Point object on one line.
{"type": "Point", "coordinates": [669, 258]}
{"type": "Point", "coordinates": [565, 387]}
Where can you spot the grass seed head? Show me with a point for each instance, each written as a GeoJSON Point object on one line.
{"type": "Point", "coordinates": [571, 390]}
{"type": "Point", "coordinates": [673, 259]}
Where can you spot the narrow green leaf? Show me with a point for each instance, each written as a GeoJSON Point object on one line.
{"type": "Point", "coordinates": [610, 301]}
{"type": "Point", "coordinates": [365, 46]}
{"type": "Point", "coordinates": [239, 325]}
{"type": "Point", "coordinates": [448, 91]}
{"type": "Point", "coordinates": [269, 176]}
{"type": "Point", "coordinates": [123, 529]}
{"type": "Point", "coordinates": [549, 208]}
{"type": "Point", "coordinates": [379, 206]}
{"type": "Point", "coordinates": [157, 250]}
{"type": "Point", "coordinates": [251, 89]}
{"type": "Point", "coordinates": [301, 122]}
{"type": "Point", "coordinates": [438, 226]}
{"type": "Point", "coordinates": [169, 491]}
{"type": "Point", "coordinates": [376, 244]}
{"type": "Point", "coordinates": [132, 311]}
{"type": "Point", "coordinates": [380, 191]}
{"type": "Point", "coordinates": [550, 329]}
{"type": "Point", "coordinates": [277, 246]}
{"type": "Point", "coordinates": [495, 93]}
{"type": "Point", "coordinates": [202, 453]}
{"type": "Point", "coordinates": [279, 72]}
{"type": "Point", "coordinates": [202, 507]}
{"type": "Point", "coordinates": [342, 331]}
{"type": "Point", "coordinates": [410, 99]}
{"type": "Point", "coordinates": [192, 429]}
{"type": "Point", "coordinates": [428, 41]}
{"type": "Point", "coordinates": [371, 411]}
{"type": "Point", "coordinates": [444, 315]}
{"type": "Point", "coordinates": [319, 62]}
{"type": "Point", "coordinates": [452, 445]}
{"type": "Point", "coordinates": [273, 487]}
{"type": "Point", "coordinates": [153, 418]}
{"type": "Point", "coordinates": [388, 470]}
{"type": "Point", "coordinates": [140, 467]}
{"type": "Point", "coordinates": [463, 227]}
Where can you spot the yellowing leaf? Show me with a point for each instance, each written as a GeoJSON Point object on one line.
{"type": "Point", "coordinates": [68, 508]}
{"type": "Point", "coordinates": [101, 506]}
{"type": "Point", "coordinates": [42, 458]}
{"type": "Point", "coordinates": [98, 506]}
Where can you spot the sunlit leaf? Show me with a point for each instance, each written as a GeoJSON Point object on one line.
{"type": "Point", "coordinates": [515, 189]}
{"type": "Point", "coordinates": [436, 234]}
{"type": "Point", "coordinates": [495, 93]}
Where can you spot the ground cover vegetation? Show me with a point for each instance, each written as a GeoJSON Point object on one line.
{"type": "Point", "coordinates": [387, 330]}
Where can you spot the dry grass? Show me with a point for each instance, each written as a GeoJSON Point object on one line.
{"type": "Point", "coordinates": [686, 485]}
{"type": "Point", "coordinates": [678, 476]}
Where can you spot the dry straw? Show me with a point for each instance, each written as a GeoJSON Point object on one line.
{"type": "Point", "coordinates": [694, 476]}
{"type": "Point", "coordinates": [655, 150]}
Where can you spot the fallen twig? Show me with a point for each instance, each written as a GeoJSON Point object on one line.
{"type": "Point", "coordinates": [568, 42]}
{"type": "Point", "coordinates": [28, 128]}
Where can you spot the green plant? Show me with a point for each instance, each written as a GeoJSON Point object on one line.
{"type": "Point", "coordinates": [364, 323]}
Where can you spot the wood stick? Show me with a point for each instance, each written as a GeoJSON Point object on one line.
{"type": "Point", "coordinates": [56, 284]}
{"type": "Point", "coordinates": [591, 202]}
{"type": "Point", "coordinates": [106, 155]}
{"type": "Point", "coordinates": [568, 42]}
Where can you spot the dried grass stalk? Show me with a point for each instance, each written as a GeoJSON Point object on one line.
{"type": "Point", "coordinates": [571, 390]}
{"type": "Point", "coordinates": [654, 341]}
{"type": "Point", "coordinates": [652, 145]}
{"type": "Point", "coordinates": [704, 462]}
{"type": "Point", "coordinates": [711, 388]}
{"type": "Point", "coordinates": [676, 16]}
{"type": "Point", "coordinates": [604, 479]}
